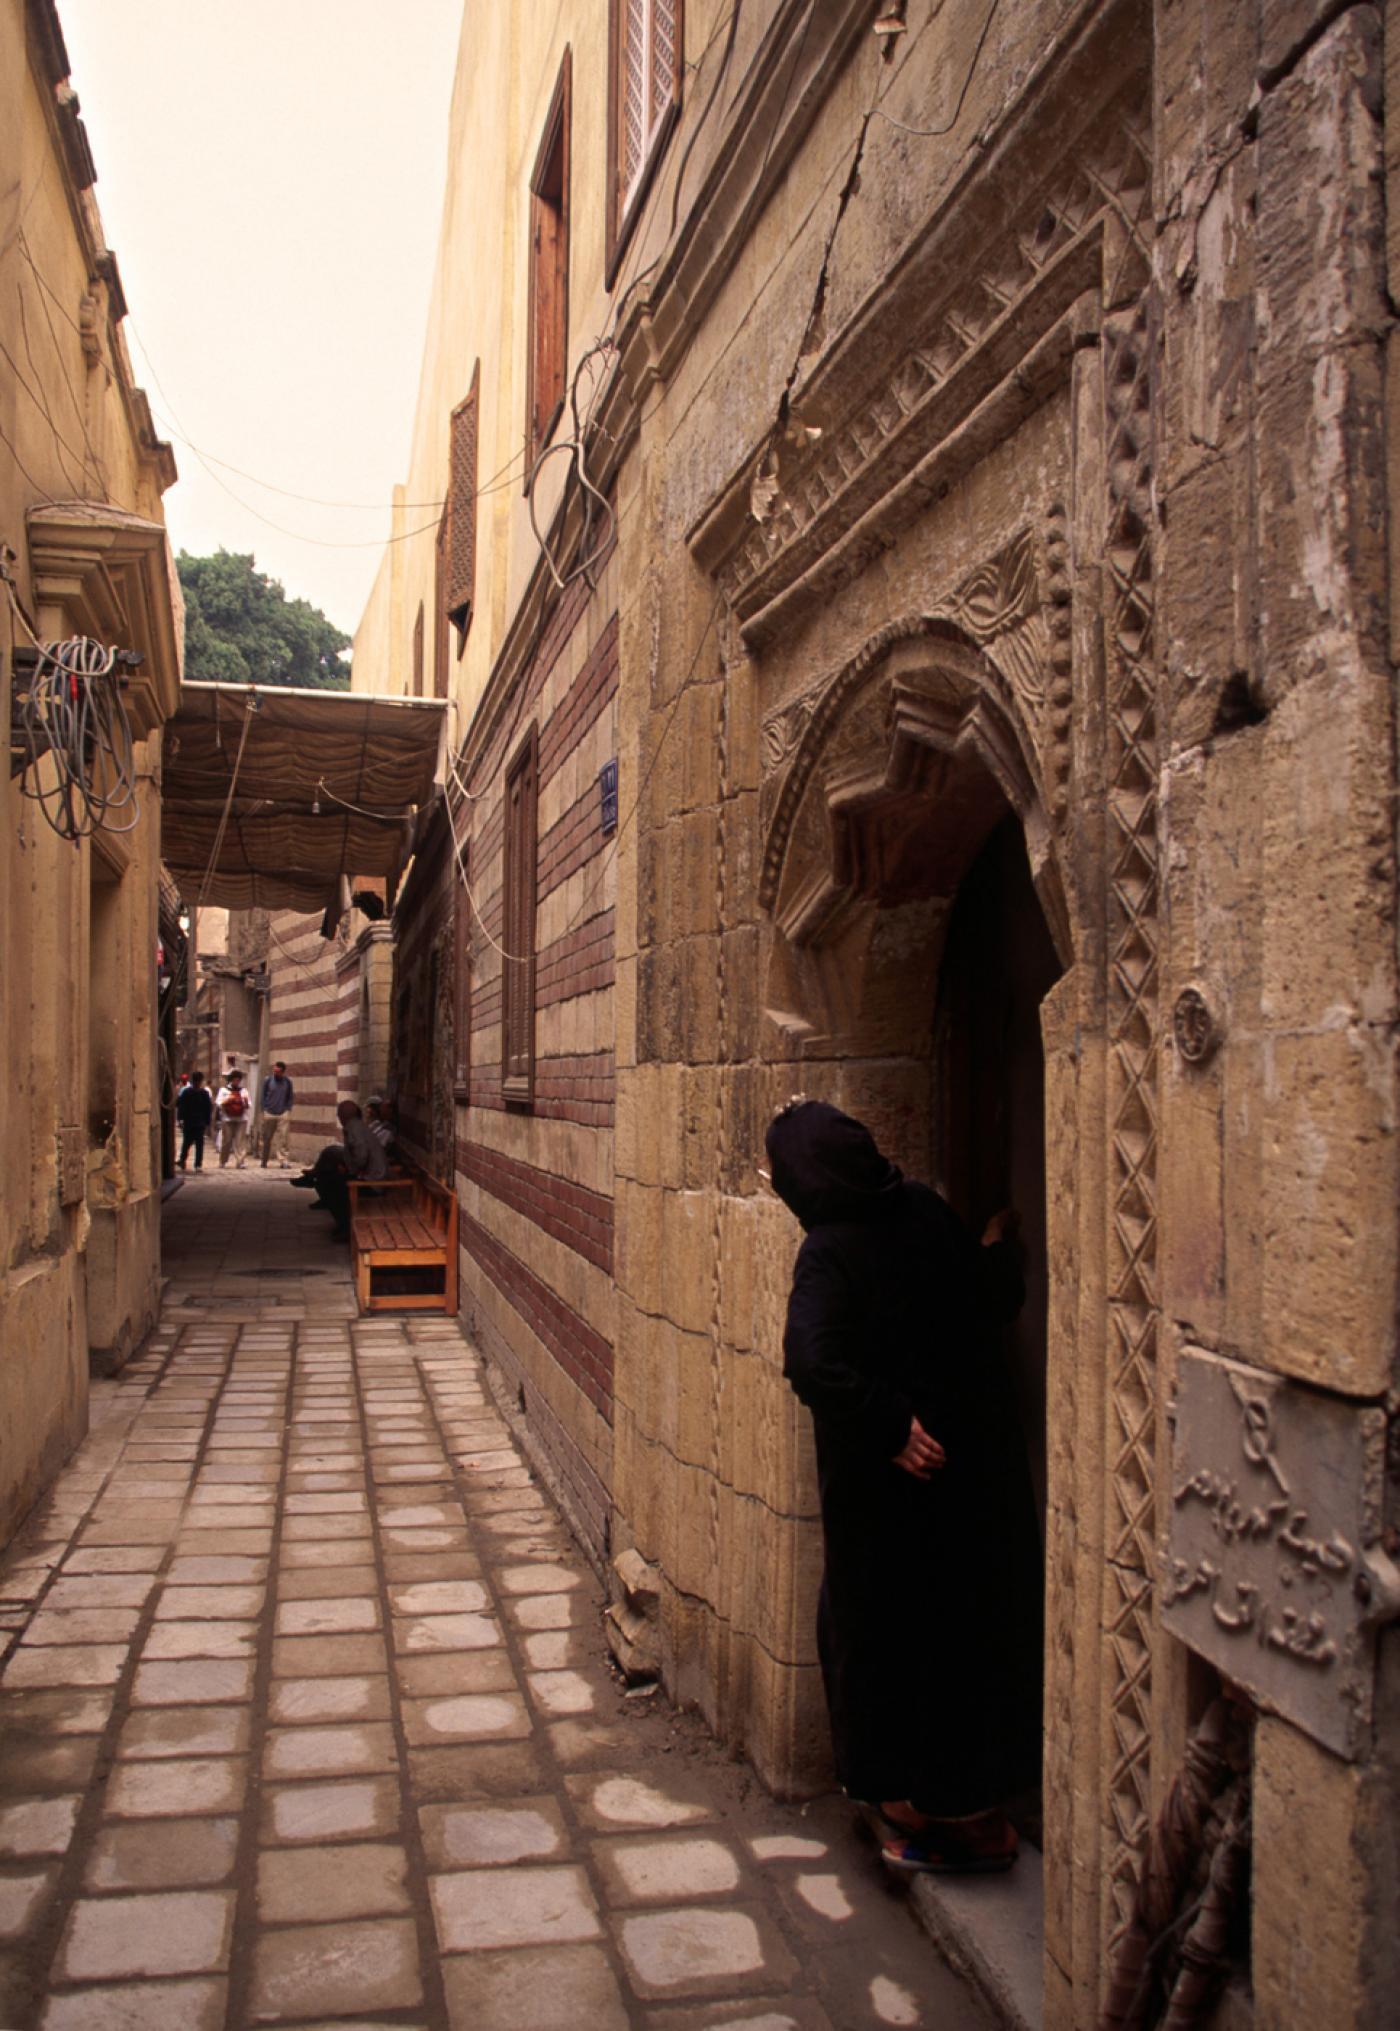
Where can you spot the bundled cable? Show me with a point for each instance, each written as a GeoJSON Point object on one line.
{"type": "Point", "coordinates": [72, 713]}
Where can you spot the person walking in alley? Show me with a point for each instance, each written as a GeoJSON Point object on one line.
{"type": "Point", "coordinates": [277, 1097]}
{"type": "Point", "coordinates": [194, 1110]}
{"type": "Point", "coordinates": [232, 1106]}
{"type": "Point", "coordinates": [360, 1155]}
{"type": "Point", "coordinates": [930, 1594]}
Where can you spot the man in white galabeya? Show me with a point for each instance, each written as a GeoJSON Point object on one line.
{"type": "Point", "coordinates": [232, 1109]}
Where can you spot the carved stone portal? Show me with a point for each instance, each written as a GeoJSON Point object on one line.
{"type": "Point", "coordinates": [888, 784]}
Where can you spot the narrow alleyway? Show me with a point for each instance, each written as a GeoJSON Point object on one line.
{"type": "Point", "coordinates": [307, 1715]}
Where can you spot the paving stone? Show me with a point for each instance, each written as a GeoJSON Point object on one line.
{"type": "Point", "coordinates": [561, 1692]}
{"type": "Point", "coordinates": [446, 1632]}
{"type": "Point", "coordinates": [458, 1671]}
{"type": "Point", "coordinates": [612, 1802]}
{"type": "Point", "coordinates": [401, 1567]}
{"type": "Point", "coordinates": [65, 1665]}
{"type": "Point", "coordinates": [328, 1617]}
{"type": "Point", "coordinates": [204, 1542]}
{"type": "Point", "coordinates": [564, 1988]}
{"type": "Point", "coordinates": [215, 1570]}
{"type": "Point", "coordinates": [439, 1597]}
{"type": "Point", "coordinates": [329, 1751]}
{"type": "Point", "coordinates": [139, 2006]}
{"type": "Point", "coordinates": [551, 1649]}
{"type": "Point", "coordinates": [581, 1744]}
{"type": "Point", "coordinates": [543, 1611]}
{"type": "Point", "coordinates": [482, 1836]}
{"type": "Point", "coordinates": [22, 1899]}
{"type": "Point", "coordinates": [662, 1870]}
{"type": "Point", "coordinates": [186, 1731]}
{"type": "Point", "coordinates": [174, 1932]}
{"type": "Point", "coordinates": [201, 1680]}
{"type": "Point", "coordinates": [209, 1603]}
{"type": "Point", "coordinates": [55, 1713]}
{"type": "Point", "coordinates": [301, 1700]}
{"type": "Point", "coordinates": [334, 1968]}
{"type": "Point", "coordinates": [324, 1583]}
{"type": "Point", "coordinates": [98, 1590]}
{"type": "Point", "coordinates": [170, 1640]}
{"type": "Point", "coordinates": [513, 1907]}
{"type": "Point", "coordinates": [786, 1848]}
{"type": "Point", "coordinates": [700, 1949]}
{"type": "Point", "coordinates": [328, 1656]}
{"type": "Point", "coordinates": [323, 1529]}
{"type": "Point", "coordinates": [467, 1770]}
{"type": "Point", "coordinates": [467, 1717]}
{"type": "Point", "coordinates": [38, 1826]}
{"type": "Point", "coordinates": [160, 1854]}
{"type": "Point", "coordinates": [324, 1812]}
{"type": "Point", "coordinates": [308, 1885]}
{"type": "Point", "coordinates": [298, 1557]}
{"type": "Point", "coordinates": [176, 1786]}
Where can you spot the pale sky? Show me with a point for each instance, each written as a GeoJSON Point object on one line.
{"type": "Point", "coordinates": [270, 175]}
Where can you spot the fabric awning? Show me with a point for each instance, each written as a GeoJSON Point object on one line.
{"type": "Point", "coordinates": [324, 786]}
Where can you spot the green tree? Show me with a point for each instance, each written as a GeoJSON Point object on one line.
{"type": "Point", "coordinates": [240, 628]}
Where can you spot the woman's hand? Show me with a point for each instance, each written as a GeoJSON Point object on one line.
{"type": "Point", "coordinates": [1001, 1227]}
{"type": "Point", "coordinates": [920, 1454]}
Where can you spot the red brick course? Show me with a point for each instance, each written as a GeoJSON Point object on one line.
{"type": "Point", "coordinates": [581, 1219]}
{"type": "Point", "coordinates": [579, 962]}
{"type": "Point", "coordinates": [583, 1355]}
{"type": "Point", "coordinates": [581, 704]}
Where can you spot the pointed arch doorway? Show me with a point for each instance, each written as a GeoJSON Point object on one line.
{"type": "Point", "coordinates": [919, 923]}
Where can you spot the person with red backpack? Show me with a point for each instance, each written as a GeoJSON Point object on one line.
{"type": "Point", "coordinates": [233, 1110]}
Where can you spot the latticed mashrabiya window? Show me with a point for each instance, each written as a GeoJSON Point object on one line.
{"type": "Point", "coordinates": [648, 46]}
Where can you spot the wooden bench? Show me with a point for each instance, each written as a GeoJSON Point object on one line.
{"type": "Point", "coordinates": [399, 1225]}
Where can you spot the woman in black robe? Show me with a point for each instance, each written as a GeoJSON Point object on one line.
{"type": "Point", "coordinates": [929, 1616]}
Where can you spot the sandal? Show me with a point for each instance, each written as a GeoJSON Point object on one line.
{"type": "Point", "coordinates": [983, 1847]}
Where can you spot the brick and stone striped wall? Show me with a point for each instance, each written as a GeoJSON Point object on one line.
{"type": "Point", "coordinates": [305, 1025]}
{"type": "Point", "coordinates": [536, 1185]}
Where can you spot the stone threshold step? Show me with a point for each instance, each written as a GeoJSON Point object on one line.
{"type": "Point", "coordinates": [991, 1929]}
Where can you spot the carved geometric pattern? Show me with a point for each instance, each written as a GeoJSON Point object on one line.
{"type": "Point", "coordinates": [1133, 1018]}
{"type": "Point", "coordinates": [1129, 1633]}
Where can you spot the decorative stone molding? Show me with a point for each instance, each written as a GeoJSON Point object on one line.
{"type": "Point", "coordinates": [1012, 296]}
{"type": "Point", "coordinates": [101, 571]}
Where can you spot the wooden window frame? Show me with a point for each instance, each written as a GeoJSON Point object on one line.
{"type": "Point", "coordinates": [460, 511]}
{"type": "Point", "coordinates": [461, 978]}
{"type": "Point", "coordinates": [441, 663]}
{"type": "Point", "coordinates": [623, 210]}
{"type": "Point", "coordinates": [519, 874]}
{"type": "Point", "coordinates": [554, 149]}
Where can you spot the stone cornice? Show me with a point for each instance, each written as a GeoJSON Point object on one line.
{"type": "Point", "coordinates": [964, 335]}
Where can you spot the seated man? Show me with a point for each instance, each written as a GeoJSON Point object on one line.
{"type": "Point", "coordinates": [360, 1155]}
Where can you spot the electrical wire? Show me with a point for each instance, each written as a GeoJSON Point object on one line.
{"type": "Point", "coordinates": [72, 716]}
{"type": "Point", "coordinates": [930, 133]}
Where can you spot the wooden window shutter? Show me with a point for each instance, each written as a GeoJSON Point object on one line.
{"type": "Point", "coordinates": [460, 588]}
{"type": "Point", "coordinates": [418, 653]}
{"type": "Point", "coordinates": [546, 364]}
{"type": "Point", "coordinates": [440, 625]}
{"type": "Point", "coordinates": [645, 66]}
{"type": "Point", "coordinates": [518, 964]}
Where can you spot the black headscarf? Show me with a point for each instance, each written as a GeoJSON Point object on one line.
{"type": "Point", "coordinates": [826, 1165]}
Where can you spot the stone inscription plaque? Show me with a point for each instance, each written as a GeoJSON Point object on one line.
{"type": "Point", "coordinates": [1273, 1566]}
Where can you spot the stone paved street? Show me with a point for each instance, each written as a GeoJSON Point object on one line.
{"type": "Point", "coordinates": [306, 1715]}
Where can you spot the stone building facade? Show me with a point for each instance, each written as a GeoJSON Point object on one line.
{"type": "Point", "coordinates": [972, 443]}
{"type": "Point", "coordinates": [83, 552]}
